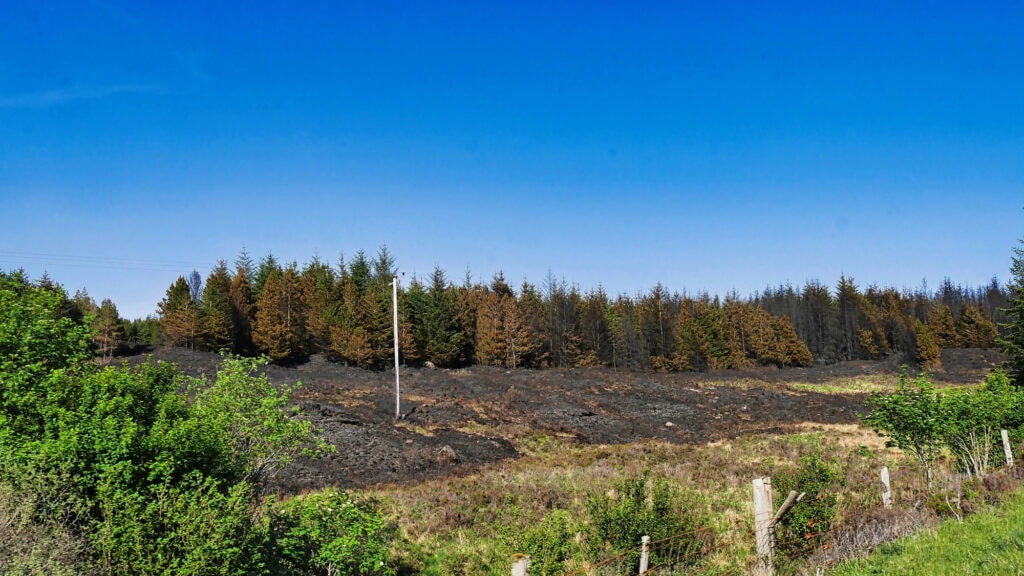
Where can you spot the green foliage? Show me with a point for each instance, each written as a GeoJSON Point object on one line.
{"type": "Point", "coordinates": [195, 526]}
{"type": "Point", "coordinates": [37, 342]}
{"type": "Point", "coordinates": [551, 544]}
{"type": "Point", "coordinates": [921, 421]}
{"type": "Point", "coordinates": [644, 505]}
{"type": "Point", "coordinates": [806, 524]}
{"type": "Point", "coordinates": [1012, 342]}
{"type": "Point", "coordinates": [911, 418]}
{"type": "Point", "coordinates": [330, 533]}
{"type": "Point", "coordinates": [987, 543]}
{"type": "Point", "coordinates": [973, 419]}
{"type": "Point", "coordinates": [253, 417]}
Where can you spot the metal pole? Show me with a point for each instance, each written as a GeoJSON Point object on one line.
{"type": "Point", "coordinates": [394, 307]}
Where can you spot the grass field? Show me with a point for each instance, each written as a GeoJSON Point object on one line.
{"type": "Point", "coordinates": [989, 543]}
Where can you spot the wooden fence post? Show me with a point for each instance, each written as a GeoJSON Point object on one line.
{"type": "Point", "coordinates": [520, 565]}
{"type": "Point", "coordinates": [886, 488]}
{"type": "Point", "coordinates": [645, 554]}
{"type": "Point", "coordinates": [1006, 448]}
{"type": "Point", "coordinates": [763, 526]}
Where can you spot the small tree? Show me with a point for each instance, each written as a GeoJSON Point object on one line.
{"type": "Point", "coordinates": [331, 534]}
{"type": "Point", "coordinates": [1012, 343]}
{"type": "Point", "coordinates": [911, 418]}
{"type": "Point", "coordinates": [974, 418]}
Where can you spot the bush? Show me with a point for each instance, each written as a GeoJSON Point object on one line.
{"type": "Point", "coordinates": [973, 419]}
{"type": "Point", "coordinates": [330, 533]}
{"type": "Point", "coordinates": [191, 527]}
{"type": "Point", "coordinates": [645, 506]}
{"type": "Point", "coordinates": [551, 545]}
{"type": "Point", "coordinates": [808, 523]}
{"type": "Point", "coordinates": [911, 418]}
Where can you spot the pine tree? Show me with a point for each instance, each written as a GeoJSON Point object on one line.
{"type": "Point", "coordinates": [242, 313]}
{"type": "Point", "coordinates": [271, 332]}
{"type": "Point", "coordinates": [489, 349]}
{"type": "Point", "coordinates": [179, 315]}
{"type": "Point", "coordinates": [268, 265]}
{"type": "Point", "coordinates": [217, 317]}
{"type": "Point", "coordinates": [942, 326]}
{"type": "Point", "coordinates": [974, 329]}
{"type": "Point", "coordinates": [1012, 343]}
{"type": "Point", "coordinates": [317, 289]}
{"type": "Point", "coordinates": [108, 329]}
{"type": "Point", "coordinates": [279, 327]}
{"type": "Point", "coordinates": [436, 329]}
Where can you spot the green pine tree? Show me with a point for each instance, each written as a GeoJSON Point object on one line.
{"type": "Point", "coordinates": [1012, 343]}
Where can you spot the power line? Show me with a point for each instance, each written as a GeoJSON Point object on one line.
{"type": "Point", "coordinates": [9, 257]}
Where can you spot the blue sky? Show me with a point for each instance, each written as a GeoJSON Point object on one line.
{"type": "Point", "coordinates": [707, 146]}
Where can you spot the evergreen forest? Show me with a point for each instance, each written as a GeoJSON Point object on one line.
{"type": "Point", "coordinates": [288, 311]}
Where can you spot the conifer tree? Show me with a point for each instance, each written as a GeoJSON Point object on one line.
{"type": "Point", "coordinates": [929, 354]}
{"type": "Point", "coordinates": [179, 315]}
{"type": "Point", "coordinates": [1012, 342]}
{"type": "Point", "coordinates": [108, 329]}
{"type": "Point", "coordinates": [489, 349]}
{"type": "Point", "coordinates": [434, 321]}
{"type": "Point", "coordinates": [242, 312]}
{"type": "Point", "coordinates": [942, 326]}
{"type": "Point", "coordinates": [317, 290]}
{"type": "Point", "coordinates": [271, 332]}
{"type": "Point", "coordinates": [534, 317]}
{"type": "Point", "coordinates": [217, 317]}
{"type": "Point", "coordinates": [975, 330]}
{"type": "Point", "coordinates": [268, 265]}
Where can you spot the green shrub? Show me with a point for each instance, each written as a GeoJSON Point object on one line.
{"type": "Point", "coordinates": [191, 527]}
{"type": "Point", "coordinates": [973, 419]}
{"type": "Point", "coordinates": [551, 544]}
{"type": "Point", "coordinates": [807, 523]}
{"type": "Point", "coordinates": [911, 418]}
{"type": "Point", "coordinates": [648, 506]}
{"type": "Point", "coordinates": [330, 533]}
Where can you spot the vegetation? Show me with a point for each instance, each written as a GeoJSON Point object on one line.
{"type": "Point", "coordinates": [141, 470]}
{"type": "Point", "coordinates": [987, 543]}
{"type": "Point", "coordinates": [288, 312]}
{"type": "Point", "coordinates": [923, 421]}
{"type": "Point", "coordinates": [1012, 343]}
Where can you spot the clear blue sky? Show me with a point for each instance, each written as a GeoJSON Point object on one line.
{"type": "Point", "coordinates": [708, 146]}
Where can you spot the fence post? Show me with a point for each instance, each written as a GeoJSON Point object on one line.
{"type": "Point", "coordinates": [520, 565]}
{"type": "Point", "coordinates": [645, 554]}
{"type": "Point", "coordinates": [1006, 448]}
{"type": "Point", "coordinates": [762, 526]}
{"type": "Point", "coordinates": [886, 488]}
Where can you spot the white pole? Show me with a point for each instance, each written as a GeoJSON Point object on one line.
{"type": "Point", "coordinates": [1007, 450]}
{"type": "Point", "coordinates": [763, 526]}
{"type": "Point", "coordinates": [886, 488]}
{"type": "Point", "coordinates": [645, 554]}
{"type": "Point", "coordinates": [394, 307]}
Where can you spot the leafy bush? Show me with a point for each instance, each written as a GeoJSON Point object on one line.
{"type": "Point", "coordinates": [551, 544]}
{"type": "Point", "coordinates": [152, 479]}
{"type": "Point", "coordinates": [191, 527]}
{"type": "Point", "coordinates": [911, 418]}
{"type": "Point", "coordinates": [973, 419]}
{"type": "Point", "coordinates": [645, 506]}
{"type": "Point", "coordinates": [807, 523]}
{"type": "Point", "coordinates": [330, 533]}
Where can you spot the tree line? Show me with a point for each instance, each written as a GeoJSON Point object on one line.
{"type": "Point", "coordinates": [345, 312]}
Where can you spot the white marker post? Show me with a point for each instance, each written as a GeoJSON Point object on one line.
{"type": "Point", "coordinates": [394, 306]}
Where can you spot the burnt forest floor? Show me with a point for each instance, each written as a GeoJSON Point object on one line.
{"type": "Point", "coordinates": [455, 421]}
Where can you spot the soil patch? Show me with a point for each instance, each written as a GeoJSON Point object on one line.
{"type": "Point", "coordinates": [454, 421]}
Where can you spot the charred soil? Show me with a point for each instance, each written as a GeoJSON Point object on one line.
{"type": "Point", "coordinates": [454, 421]}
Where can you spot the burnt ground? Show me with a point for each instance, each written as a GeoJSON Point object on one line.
{"type": "Point", "coordinates": [457, 420]}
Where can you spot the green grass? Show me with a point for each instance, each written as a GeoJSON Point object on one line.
{"type": "Point", "coordinates": [989, 543]}
{"type": "Point", "coordinates": [850, 386]}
